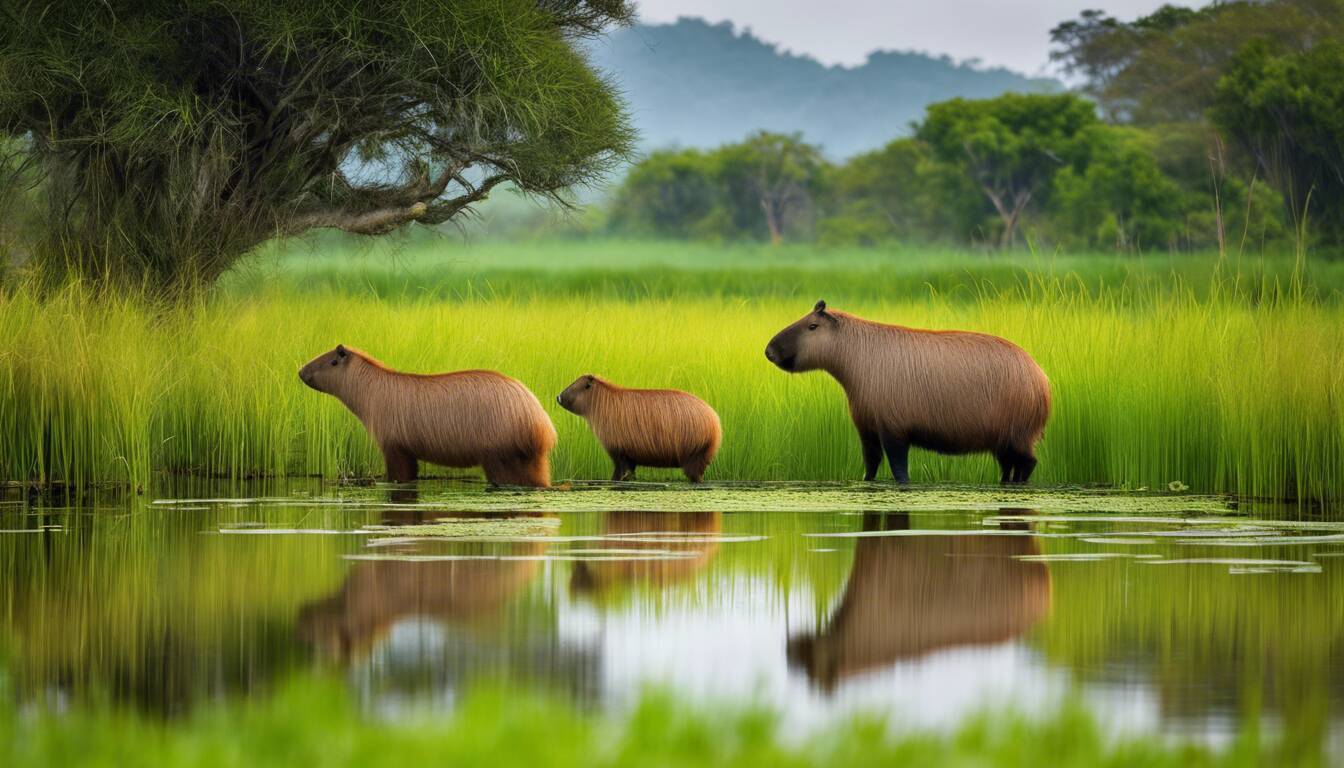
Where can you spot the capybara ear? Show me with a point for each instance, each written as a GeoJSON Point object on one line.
{"type": "Point", "coordinates": [820, 308]}
{"type": "Point", "coordinates": [340, 350]}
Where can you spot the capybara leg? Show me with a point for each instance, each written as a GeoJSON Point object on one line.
{"type": "Point", "coordinates": [1007, 464]}
{"type": "Point", "coordinates": [898, 456]}
{"type": "Point", "coordinates": [695, 468]}
{"type": "Point", "coordinates": [401, 466]}
{"type": "Point", "coordinates": [534, 472]}
{"type": "Point", "coordinates": [1026, 464]}
{"type": "Point", "coordinates": [872, 454]}
{"type": "Point", "coordinates": [620, 467]}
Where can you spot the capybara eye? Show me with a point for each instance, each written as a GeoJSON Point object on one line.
{"type": "Point", "coordinates": [589, 385]}
{"type": "Point", "coordinates": [812, 327]}
{"type": "Point", "coordinates": [335, 361]}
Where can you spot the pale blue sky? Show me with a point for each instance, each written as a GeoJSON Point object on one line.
{"type": "Point", "coordinates": [1010, 34]}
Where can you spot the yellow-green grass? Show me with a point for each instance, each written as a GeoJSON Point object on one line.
{"type": "Point", "coordinates": [1219, 393]}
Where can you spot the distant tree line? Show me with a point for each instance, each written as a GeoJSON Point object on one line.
{"type": "Point", "coordinates": [1218, 127]}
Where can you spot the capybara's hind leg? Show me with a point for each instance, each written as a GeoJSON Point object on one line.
{"type": "Point", "coordinates": [621, 468]}
{"type": "Point", "coordinates": [872, 454]}
{"type": "Point", "coordinates": [534, 471]}
{"type": "Point", "coordinates": [898, 456]}
{"type": "Point", "coordinates": [696, 466]}
{"type": "Point", "coordinates": [1007, 465]}
{"type": "Point", "coordinates": [401, 465]}
{"type": "Point", "coordinates": [1026, 464]}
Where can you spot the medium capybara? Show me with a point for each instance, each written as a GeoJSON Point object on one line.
{"type": "Point", "coordinates": [459, 419]}
{"type": "Point", "coordinates": [649, 427]}
{"type": "Point", "coordinates": [952, 392]}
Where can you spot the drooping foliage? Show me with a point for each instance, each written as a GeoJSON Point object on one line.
{"type": "Point", "coordinates": [171, 136]}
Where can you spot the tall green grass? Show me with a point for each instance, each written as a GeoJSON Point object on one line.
{"type": "Point", "coordinates": [1236, 387]}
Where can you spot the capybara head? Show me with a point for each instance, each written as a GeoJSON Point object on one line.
{"type": "Point", "coordinates": [578, 396]}
{"type": "Point", "coordinates": [802, 346]}
{"type": "Point", "coordinates": [327, 371]}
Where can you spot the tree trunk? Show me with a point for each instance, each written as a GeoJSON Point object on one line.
{"type": "Point", "coordinates": [772, 221]}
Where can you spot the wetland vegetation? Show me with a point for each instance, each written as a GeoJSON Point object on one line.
{"type": "Point", "coordinates": [1192, 370]}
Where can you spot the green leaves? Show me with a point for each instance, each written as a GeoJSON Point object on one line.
{"type": "Point", "coordinates": [176, 135]}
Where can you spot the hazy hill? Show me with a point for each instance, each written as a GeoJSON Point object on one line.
{"type": "Point", "coordinates": [698, 84]}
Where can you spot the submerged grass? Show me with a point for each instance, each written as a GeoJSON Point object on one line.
{"type": "Point", "coordinates": [1235, 387]}
{"type": "Point", "coordinates": [296, 727]}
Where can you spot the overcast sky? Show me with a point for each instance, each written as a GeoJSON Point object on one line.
{"type": "Point", "coordinates": [1003, 33]}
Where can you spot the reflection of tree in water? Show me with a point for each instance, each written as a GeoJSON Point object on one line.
{"type": "Point", "coordinates": [689, 539]}
{"type": "Point", "coordinates": [117, 610]}
{"type": "Point", "coordinates": [410, 628]}
{"type": "Point", "coordinates": [908, 596]}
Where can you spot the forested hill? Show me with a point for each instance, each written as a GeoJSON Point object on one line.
{"type": "Point", "coordinates": [697, 84]}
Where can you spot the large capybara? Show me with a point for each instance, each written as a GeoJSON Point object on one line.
{"type": "Point", "coordinates": [909, 596]}
{"type": "Point", "coordinates": [649, 427]}
{"type": "Point", "coordinates": [952, 392]}
{"type": "Point", "coordinates": [459, 419]}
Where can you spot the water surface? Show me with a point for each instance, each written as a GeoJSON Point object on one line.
{"type": "Point", "coordinates": [1174, 615]}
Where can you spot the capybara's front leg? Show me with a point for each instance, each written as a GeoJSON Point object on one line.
{"type": "Point", "coordinates": [898, 457]}
{"type": "Point", "coordinates": [872, 453]}
{"type": "Point", "coordinates": [401, 465]}
{"type": "Point", "coordinates": [620, 467]}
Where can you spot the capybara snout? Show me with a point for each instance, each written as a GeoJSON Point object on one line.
{"type": "Point", "coordinates": [646, 427]}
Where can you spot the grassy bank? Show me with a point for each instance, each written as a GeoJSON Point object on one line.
{"type": "Point", "coordinates": [296, 727]}
{"type": "Point", "coordinates": [1225, 385]}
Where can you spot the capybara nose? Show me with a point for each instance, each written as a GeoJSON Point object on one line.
{"type": "Point", "coordinates": [558, 401]}
{"type": "Point", "coordinates": [770, 354]}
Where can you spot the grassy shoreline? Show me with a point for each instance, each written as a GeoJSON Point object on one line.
{"type": "Point", "coordinates": [1213, 387]}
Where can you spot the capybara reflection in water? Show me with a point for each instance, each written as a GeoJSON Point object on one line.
{"type": "Point", "coordinates": [952, 392]}
{"type": "Point", "coordinates": [460, 419]}
{"type": "Point", "coordinates": [377, 594]}
{"type": "Point", "coordinates": [678, 545]}
{"type": "Point", "coordinates": [908, 596]}
{"type": "Point", "coordinates": [646, 427]}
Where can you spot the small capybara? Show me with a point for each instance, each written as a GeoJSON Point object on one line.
{"type": "Point", "coordinates": [459, 419]}
{"type": "Point", "coordinates": [649, 427]}
{"type": "Point", "coordinates": [953, 392]}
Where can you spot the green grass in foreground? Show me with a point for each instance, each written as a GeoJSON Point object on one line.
{"type": "Point", "coordinates": [315, 724]}
{"type": "Point", "coordinates": [1219, 388]}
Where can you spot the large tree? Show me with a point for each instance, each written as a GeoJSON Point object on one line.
{"type": "Point", "coordinates": [771, 178]}
{"type": "Point", "coordinates": [1010, 146]}
{"type": "Point", "coordinates": [174, 135]}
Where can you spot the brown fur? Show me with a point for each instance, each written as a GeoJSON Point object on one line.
{"type": "Point", "coordinates": [376, 594]}
{"type": "Point", "coordinates": [648, 427]}
{"type": "Point", "coordinates": [692, 537]}
{"type": "Point", "coordinates": [908, 596]}
{"type": "Point", "coordinates": [949, 391]}
{"type": "Point", "coordinates": [461, 419]}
